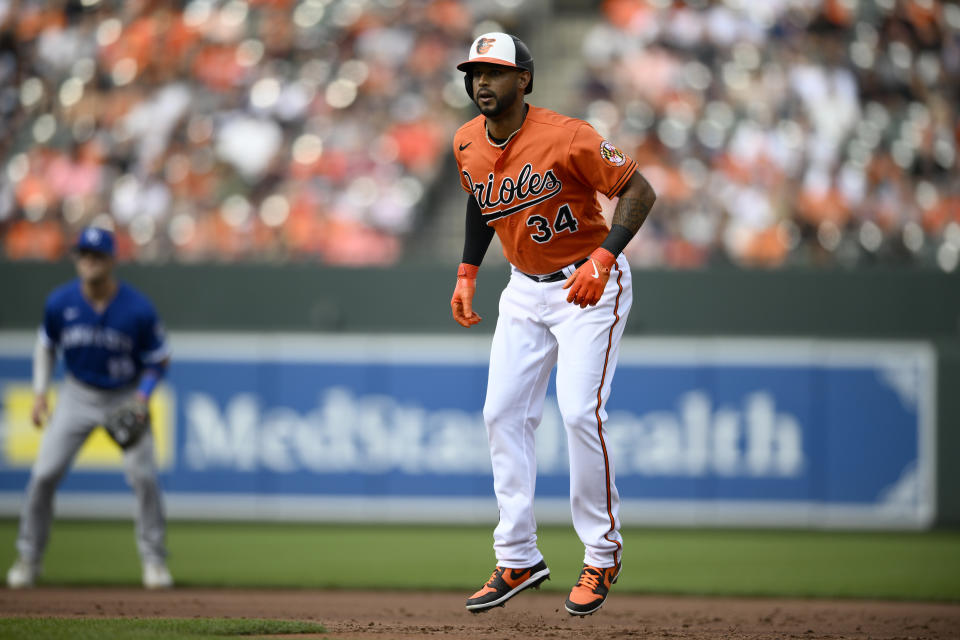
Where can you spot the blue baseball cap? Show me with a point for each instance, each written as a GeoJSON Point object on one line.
{"type": "Point", "coordinates": [95, 239]}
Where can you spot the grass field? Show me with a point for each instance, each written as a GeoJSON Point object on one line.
{"type": "Point", "coordinates": [150, 629]}
{"type": "Point", "coordinates": [911, 566]}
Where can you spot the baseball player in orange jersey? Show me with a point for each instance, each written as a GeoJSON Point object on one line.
{"type": "Point", "coordinates": [533, 175]}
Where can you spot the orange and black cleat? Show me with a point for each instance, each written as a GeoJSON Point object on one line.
{"type": "Point", "coordinates": [591, 589]}
{"type": "Point", "coordinates": [505, 583]}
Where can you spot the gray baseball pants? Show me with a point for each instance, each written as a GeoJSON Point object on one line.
{"type": "Point", "coordinates": [79, 410]}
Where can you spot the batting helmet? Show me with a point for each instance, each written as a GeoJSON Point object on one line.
{"type": "Point", "coordinates": [500, 49]}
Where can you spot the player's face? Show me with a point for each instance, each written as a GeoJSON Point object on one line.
{"type": "Point", "coordinates": [93, 266]}
{"type": "Point", "coordinates": [496, 89]}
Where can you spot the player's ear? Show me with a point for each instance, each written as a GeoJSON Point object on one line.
{"type": "Point", "coordinates": [524, 79]}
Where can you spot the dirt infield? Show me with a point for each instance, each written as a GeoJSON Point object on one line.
{"type": "Point", "coordinates": [403, 615]}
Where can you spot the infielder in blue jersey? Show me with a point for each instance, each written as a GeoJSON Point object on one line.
{"type": "Point", "coordinates": [114, 354]}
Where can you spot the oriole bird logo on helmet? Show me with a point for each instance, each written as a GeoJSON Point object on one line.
{"type": "Point", "coordinates": [485, 44]}
{"type": "Point", "coordinates": [497, 48]}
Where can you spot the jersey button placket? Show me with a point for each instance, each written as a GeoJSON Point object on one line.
{"type": "Point", "coordinates": [497, 179]}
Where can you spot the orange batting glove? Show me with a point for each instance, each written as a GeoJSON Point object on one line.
{"type": "Point", "coordinates": [462, 302]}
{"type": "Point", "coordinates": [588, 281]}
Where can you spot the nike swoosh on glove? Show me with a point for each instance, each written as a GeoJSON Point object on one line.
{"type": "Point", "coordinates": [588, 281]}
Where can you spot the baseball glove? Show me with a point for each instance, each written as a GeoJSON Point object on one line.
{"type": "Point", "coordinates": [127, 423]}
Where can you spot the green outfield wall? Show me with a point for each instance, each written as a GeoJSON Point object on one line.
{"type": "Point", "coordinates": [876, 303]}
{"type": "Point", "coordinates": [896, 304]}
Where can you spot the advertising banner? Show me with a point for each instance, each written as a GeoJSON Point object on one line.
{"type": "Point", "coordinates": [389, 428]}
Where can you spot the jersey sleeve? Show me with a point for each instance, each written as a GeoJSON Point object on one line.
{"type": "Point", "coordinates": [153, 340]}
{"type": "Point", "coordinates": [464, 183]}
{"type": "Point", "coordinates": [599, 163]}
{"type": "Point", "coordinates": [52, 325]}
{"type": "Point", "coordinates": [466, 136]}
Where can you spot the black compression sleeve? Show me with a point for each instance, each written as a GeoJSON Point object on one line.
{"type": "Point", "coordinates": [617, 239]}
{"type": "Point", "coordinates": [477, 236]}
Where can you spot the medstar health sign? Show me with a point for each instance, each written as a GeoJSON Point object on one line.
{"type": "Point", "coordinates": [702, 431]}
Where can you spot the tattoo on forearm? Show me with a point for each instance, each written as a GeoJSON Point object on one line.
{"type": "Point", "coordinates": [633, 207]}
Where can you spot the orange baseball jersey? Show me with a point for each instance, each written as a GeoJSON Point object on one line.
{"type": "Point", "coordinates": [540, 191]}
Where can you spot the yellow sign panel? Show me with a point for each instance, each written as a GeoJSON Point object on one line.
{"type": "Point", "coordinates": [21, 440]}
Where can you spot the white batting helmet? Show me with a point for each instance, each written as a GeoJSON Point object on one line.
{"type": "Point", "coordinates": [501, 49]}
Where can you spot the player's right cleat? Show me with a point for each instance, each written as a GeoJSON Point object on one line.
{"type": "Point", "coordinates": [156, 575]}
{"type": "Point", "coordinates": [506, 583]}
{"type": "Point", "coordinates": [23, 574]}
{"type": "Point", "coordinates": [591, 589]}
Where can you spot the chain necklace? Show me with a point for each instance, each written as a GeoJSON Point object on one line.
{"type": "Point", "coordinates": [501, 145]}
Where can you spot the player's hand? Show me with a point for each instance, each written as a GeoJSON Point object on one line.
{"type": "Point", "coordinates": [462, 302]}
{"type": "Point", "coordinates": [141, 403]}
{"type": "Point", "coordinates": [40, 410]}
{"type": "Point", "coordinates": [588, 281]}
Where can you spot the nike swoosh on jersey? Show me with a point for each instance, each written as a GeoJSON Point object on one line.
{"type": "Point", "coordinates": [464, 146]}
{"type": "Point", "coordinates": [596, 274]}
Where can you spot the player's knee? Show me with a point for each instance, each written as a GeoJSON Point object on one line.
{"type": "Point", "coordinates": [501, 417]}
{"type": "Point", "coordinates": [45, 480]}
{"type": "Point", "coordinates": [139, 478]}
{"type": "Point", "coordinates": [569, 410]}
{"type": "Point", "coordinates": [578, 417]}
{"type": "Point", "coordinates": [493, 413]}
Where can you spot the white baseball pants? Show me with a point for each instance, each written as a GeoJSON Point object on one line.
{"type": "Point", "coordinates": [537, 329]}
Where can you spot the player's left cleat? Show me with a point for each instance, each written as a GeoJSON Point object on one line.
{"type": "Point", "coordinates": [156, 575]}
{"type": "Point", "coordinates": [23, 574]}
{"type": "Point", "coordinates": [591, 589]}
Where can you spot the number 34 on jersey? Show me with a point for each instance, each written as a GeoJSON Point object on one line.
{"type": "Point", "coordinates": [539, 192]}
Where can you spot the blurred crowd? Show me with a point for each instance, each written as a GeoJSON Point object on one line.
{"type": "Point", "coordinates": [785, 132]}
{"type": "Point", "coordinates": [230, 129]}
{"type": "Point", "coordinates": [781, 132]}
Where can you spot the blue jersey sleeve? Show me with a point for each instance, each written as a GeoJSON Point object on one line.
{"type": "Point", "coordinates": [52, 323]}
{"type": "Point", "coordinates": [152, 343]}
